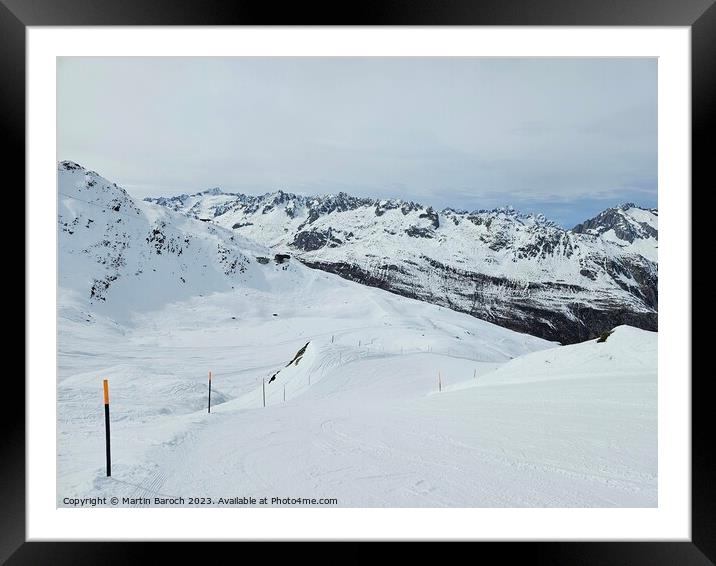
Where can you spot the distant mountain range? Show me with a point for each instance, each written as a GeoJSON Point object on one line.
{"type": "Point", "coordinates": [520, 271]}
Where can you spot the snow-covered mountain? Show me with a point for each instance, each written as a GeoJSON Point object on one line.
{"type": "Point", "coordinates": [122, 261]}
{"type": "Point", "coordinates": [109, 242]}
{"type": "Point", "coordinates": [520, 271]}
{"type": "Point", "coordinates": [322, 387]}
{"type": "Point", "coordinates": [630, 227]}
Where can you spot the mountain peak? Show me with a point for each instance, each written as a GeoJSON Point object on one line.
{"type": "Point", "coordinates": [69, 166]}
{"type": "Point", "coordinates": [625, 222]}
{"type": "Point", "coordinates": [627, 206]}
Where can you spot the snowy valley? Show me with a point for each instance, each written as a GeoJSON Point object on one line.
{"type": "Point", "coordinates": [371, 371]}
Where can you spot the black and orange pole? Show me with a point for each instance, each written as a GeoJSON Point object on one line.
{"type": "Point", "coordinates": [209, 393]}
{"type": "Point", "coordinates": [106, 425]}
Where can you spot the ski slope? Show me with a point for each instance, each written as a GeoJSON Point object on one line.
{"type": "Point", "coordinates": [363, 421]}
{"type": "Point", "coordinates": [370, 441]}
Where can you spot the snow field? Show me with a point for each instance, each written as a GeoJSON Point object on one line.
{"type": "Point", "coordinates": [153, 300]}
{"type": "Point", "coordinates": [370, 429]}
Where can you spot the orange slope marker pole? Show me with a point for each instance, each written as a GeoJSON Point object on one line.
{"type": "Point", "coordinates": [105, 385]}
{"type": "Point", "coordinates": [209, 406]}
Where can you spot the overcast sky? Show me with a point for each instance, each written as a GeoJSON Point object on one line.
{"type": "Point", "coordinates": [566, 137]}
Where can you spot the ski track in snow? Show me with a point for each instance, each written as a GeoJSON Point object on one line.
{"type": "Point", "coordinates": [372, 431]}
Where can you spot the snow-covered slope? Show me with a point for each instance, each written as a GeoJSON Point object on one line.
{"type": "Point", "coordinates": [627, 351]}
{"type": "Point", "coordinates": [116, 252]}
{"type": "Point", "coordinates": [153, 300]}
{"type": "Point", "coordinates": [520, 271]}
{"type": "Point", "coordinates": [376, 432]}
{"type": "Point", "coordinates": [362, 420]}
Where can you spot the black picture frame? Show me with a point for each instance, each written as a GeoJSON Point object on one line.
{"type": "Point", "coordinates": [17, 15]}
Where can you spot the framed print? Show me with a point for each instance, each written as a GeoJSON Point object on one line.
{"type": "Point", "coordinates": [387, 279]}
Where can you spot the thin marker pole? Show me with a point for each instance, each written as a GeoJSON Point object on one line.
{"type": "Point", "coordinates": [474, 374]}
{"type": "Point", "coordinates": [263, 390]}
{"type": "Point", "coordinates": [209, 407]}
{"type": "Point", "coordinates": [284, 393]}
{"type": "Point", "coordinates": [440, 382]}
{"type": "Point", "coordinates": [105, 385]}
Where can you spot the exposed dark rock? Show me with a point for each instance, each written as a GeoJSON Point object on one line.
{"type": "Point", "coordinates": [382, 206]}
{"type": "Point", "coordinates": [408, 207]}
{"type": "Point", "coordinates": [604, 335]}
{"type": "Point", "coordinates": [515, 309]}
{"type": "Point", "coordinates": [431, 215]}
{"type": "Point", "coordinates": [298, 356]}
{"type": "Point", "coordinates": [311, 240]}
{"type": "Point", "coordinates": [418, 232]}
{"type": "Point", "coordinates": [69, 166]}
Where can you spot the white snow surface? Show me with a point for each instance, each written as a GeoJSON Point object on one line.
{"type": "Point", "coordinates": [518, 421]}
